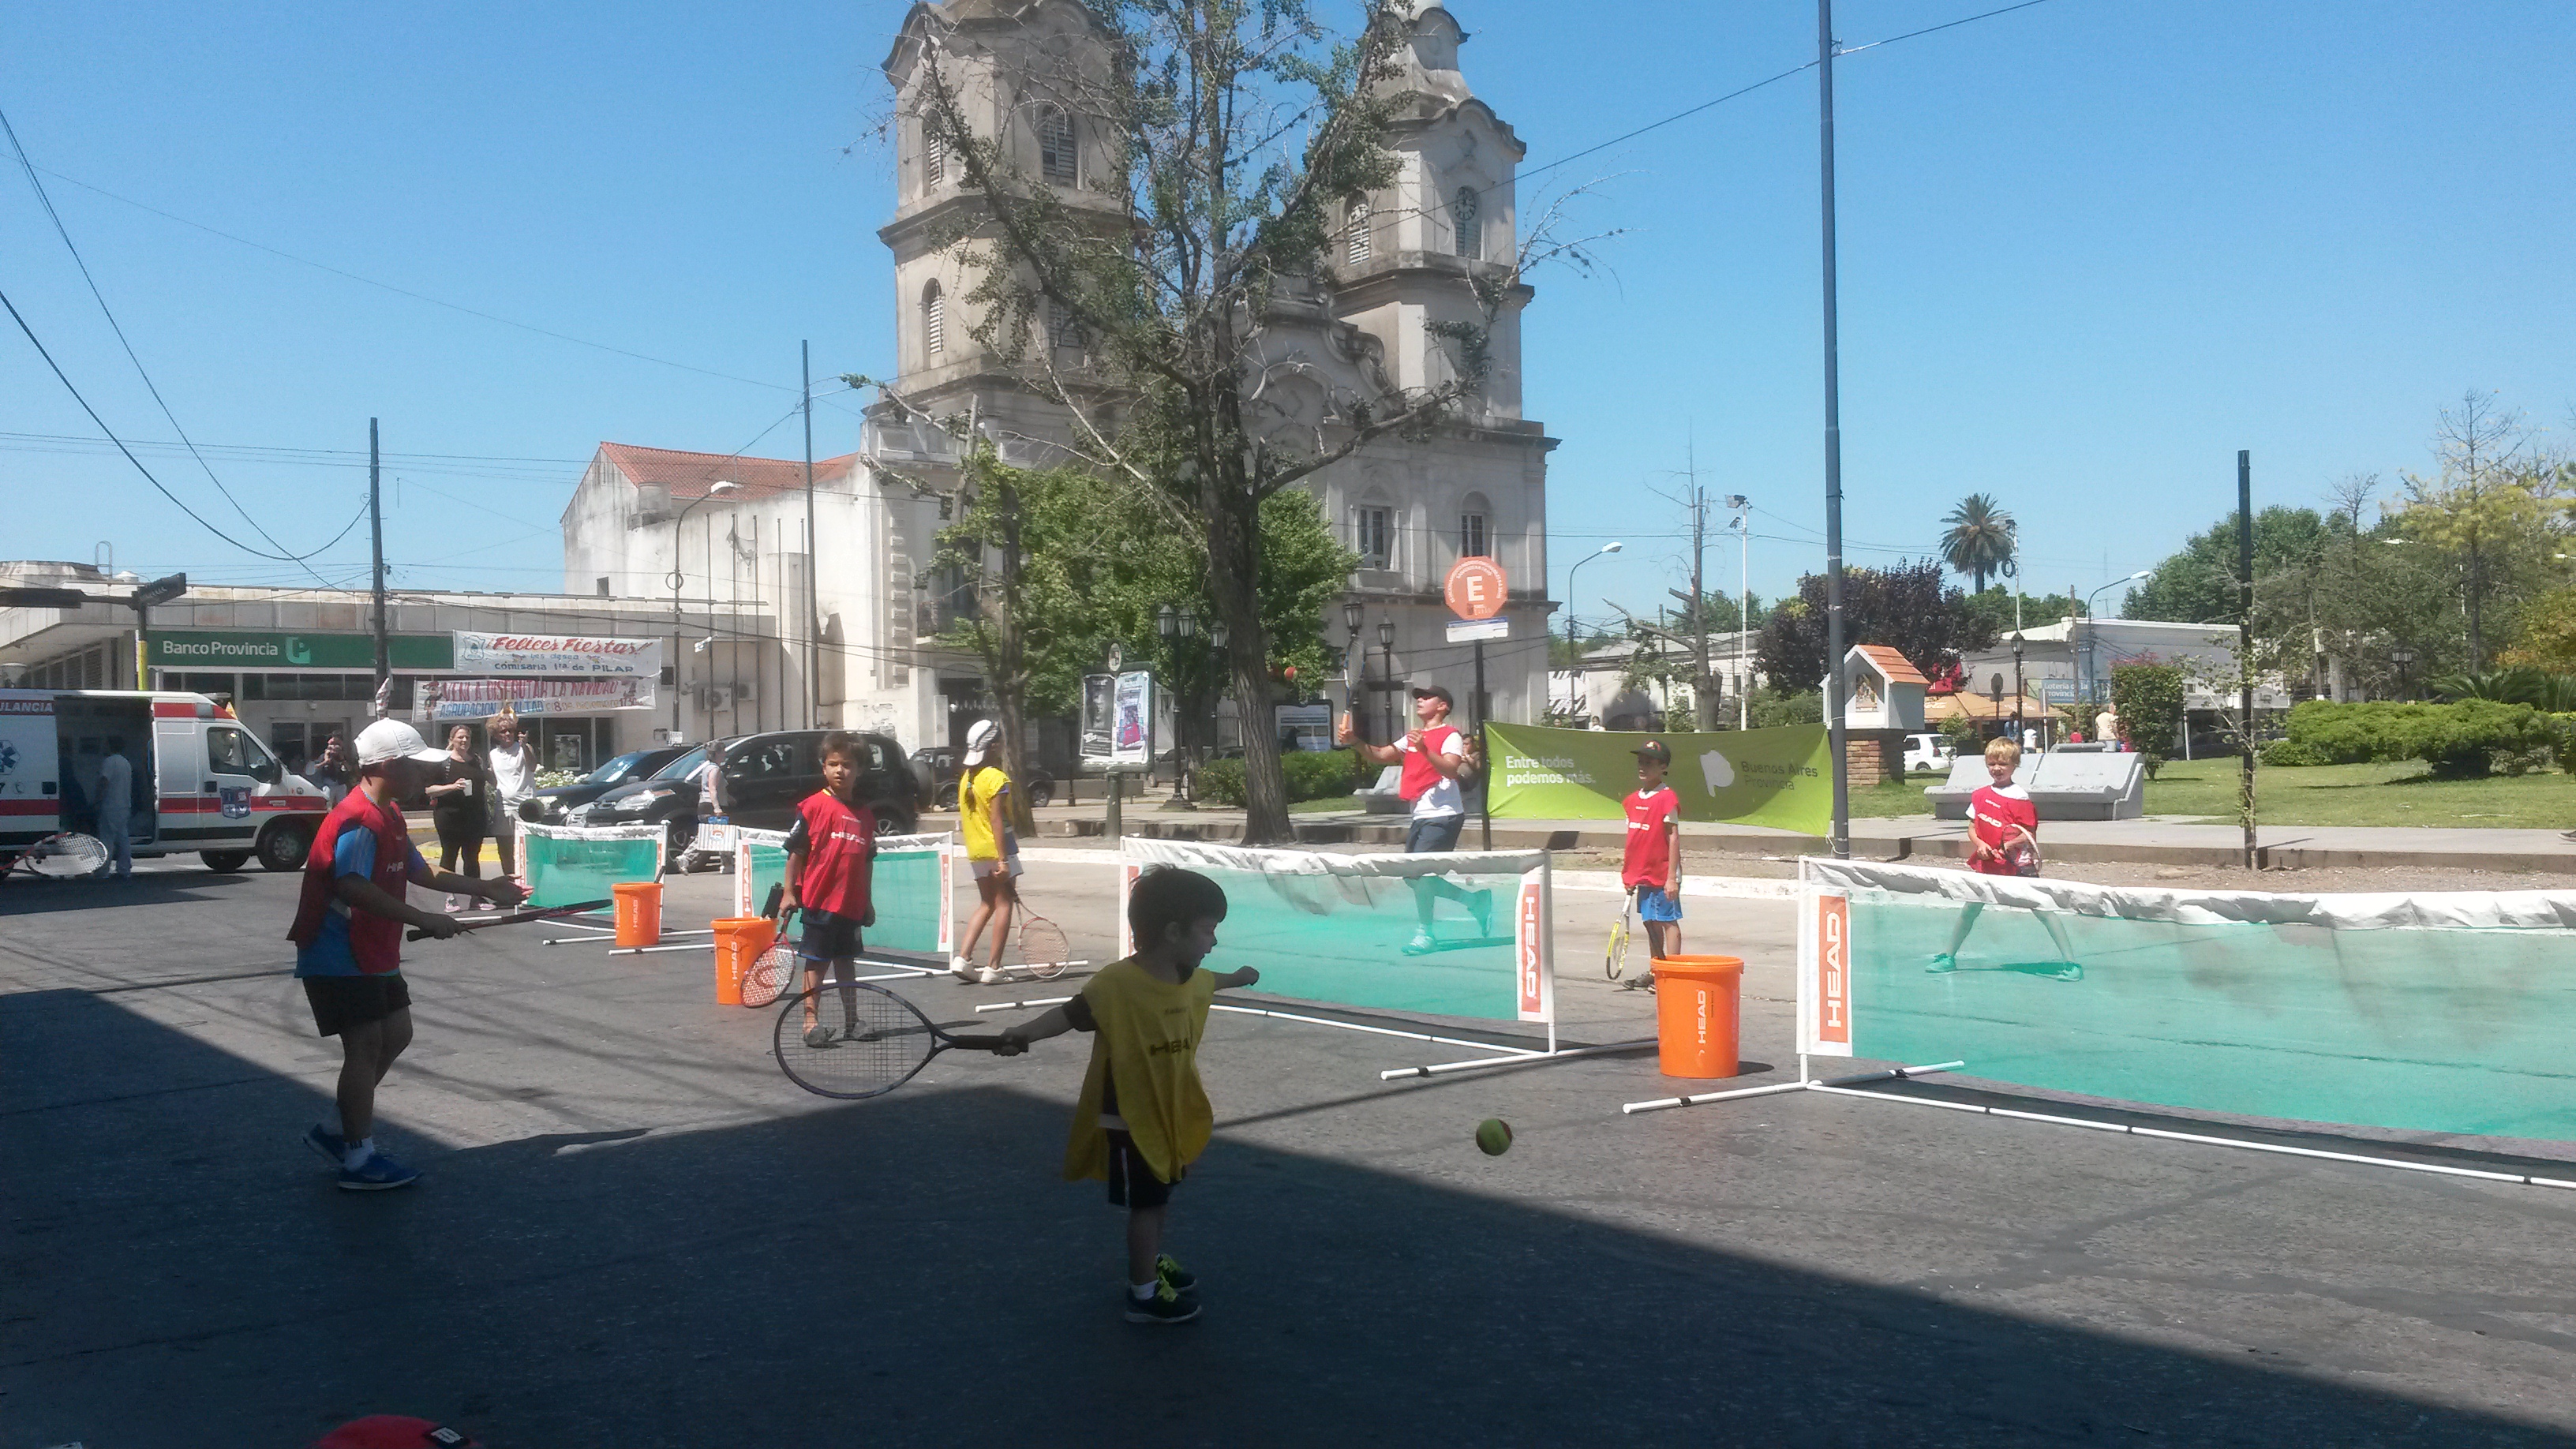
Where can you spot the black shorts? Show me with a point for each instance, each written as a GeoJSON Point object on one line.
{"type": "Point", "coordinates": [1132, 1183]}
{"type": "Point", "coordinates": [828, 937]}
{"type": "Point", "coordinates": [341, 1002]}
{"type": "Point", "coordinates": [1433, 834]}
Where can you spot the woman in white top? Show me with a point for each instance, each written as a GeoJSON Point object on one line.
{"type": "Point", "coordinates": [514, 779]}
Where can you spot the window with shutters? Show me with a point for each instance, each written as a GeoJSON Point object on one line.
{"type": "Point", "coordinates": [1471, 235]}
{"type": "Point", "coordinates": [1373, 537]}
{"type": "Point", "coordinates": [1359, 231]}
{"type": "Point", "coordinates": [1055, 146]}
{"type": "Point", "coordinates": [1472, 539]}
{"type": "Point", "coordinates": [934, 321]}
{"type": "Point", "coordinates": [934, 157]}
{"type": "Point", "coordinates": [1064, 330]}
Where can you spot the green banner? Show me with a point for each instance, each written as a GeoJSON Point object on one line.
{"type": "Point", "coordinates": [1777, 777]}
{"type": "Point", "coordinates": [257, 651]}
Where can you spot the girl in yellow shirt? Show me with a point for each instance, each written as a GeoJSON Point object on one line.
{"type": "Point", "coordinates": [983, 792]}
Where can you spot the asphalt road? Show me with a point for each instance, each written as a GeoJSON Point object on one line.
{"type": "Point", "coordinates": [634, 1232]}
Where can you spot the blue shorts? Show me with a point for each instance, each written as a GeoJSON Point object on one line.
{"type": "Point", "coordinates": [1654, 905]}
{"type": "Point", "coordinates": [1433, 834]}
{"type": "Point", "coordinates": [828, 937]}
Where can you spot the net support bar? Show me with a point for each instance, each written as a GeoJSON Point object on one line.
{"type": "Point", "coordinates": [2204, 1139]}
{"type": "Point", "coordinates": [1552, 1054]}
{"type": "Point", "coordinates": [1802, 1085]}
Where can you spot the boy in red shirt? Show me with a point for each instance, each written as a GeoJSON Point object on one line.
{"type": "Point", "coordinates": [1651, 869]}
{"type": "Point", "coordinates": [831, 852]}
{"type": "Point", "coordinates": [348, 935]}
{"type": "Point", "coordinates": [2003, 834]}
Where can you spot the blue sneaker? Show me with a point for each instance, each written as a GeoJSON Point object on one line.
{"type": "Point", "coordinates": [327, 1142]}
{"type": "Point", "coordinates": [376, 1174]}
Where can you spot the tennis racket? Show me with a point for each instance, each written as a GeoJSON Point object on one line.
{"type": "Point", "coordinates": [1615, 960]}
{"type": "Point", "coordinates": [549, 913]}
{"type": "Point", "coordinates": [1043, 951]}
{"type": "Point", "coordinates": [62, 856]}
{"type": "Point", "coordinates": [864, 1041]}
{"type": "Point", "coordinates": [777, 966]}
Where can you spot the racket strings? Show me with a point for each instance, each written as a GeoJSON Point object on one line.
{"type": "Point", "coordinates": [860, 1041]}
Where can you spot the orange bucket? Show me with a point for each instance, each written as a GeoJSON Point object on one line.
{"type": "Point", "coordinates": [739, 942]}
{"type": "Point", "coordinates": [639, 912]}
{"type": "Point", "coordinates": [1696, 1003]}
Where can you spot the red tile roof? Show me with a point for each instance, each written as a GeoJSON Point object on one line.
{"type": "Point", "coordinates": [1890, 663]}
{"type": "Point", "coordinates": [689, 475]}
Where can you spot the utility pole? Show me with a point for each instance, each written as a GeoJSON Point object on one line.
{"type": "Point", "coordinates": [1834, 723]}
{"type": "Point", "coordinates": [2245, 643]}
{"type": "Point", "coordinates": [376, 525]}
{"type": "Point", "coordinates": [1703, 707]}
{"type": "Point", "coordinates": [813, 586]}
{"type": "Point", "coordinates": [1743, 609]}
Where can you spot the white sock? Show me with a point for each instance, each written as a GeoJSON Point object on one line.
{"type": "Point", "coordinates": [355, 1155]}
{"type": "Point", "coordinates": [1142, 1291]}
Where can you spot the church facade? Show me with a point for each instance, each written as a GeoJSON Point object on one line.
{"type": "Point", "coordinates": [1404, 263]}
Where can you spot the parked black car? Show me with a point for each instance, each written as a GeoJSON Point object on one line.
{"type": "Point", "coordinates": [761, 778]}
{"type": "Point", "coordinates": [668, 797]}
{"type": "Point", "coordinates": [548, 806]}
{"type": "Point", "coordinates": [943, 779]}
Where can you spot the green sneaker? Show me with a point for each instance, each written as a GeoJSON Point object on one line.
{"type": "Point", "coordinates": [1165, 1306]}
{"type": "Point", "coordinates": [1181, 1280]}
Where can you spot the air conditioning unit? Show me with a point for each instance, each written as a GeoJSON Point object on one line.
{"type": "Point", "coordinates": [745, 693]}
{"type": "Point", "coordinates": [715, 696]}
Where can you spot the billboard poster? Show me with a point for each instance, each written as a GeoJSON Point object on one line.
{"type": "Point", "coordinates": [1097, 692]}
{"type": "Point", "coordinates": [478, 653]}
{"type": "Point", "coordinates": [1131, 720]}
{"type": "Point", "coordinates": [1776, 777]}
{"type": "Point", "coordinates": [452, 700]}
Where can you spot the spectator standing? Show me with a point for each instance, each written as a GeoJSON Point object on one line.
{"type": "Point", "coordinates": [329, 771]}
{"type": "Point", "coordinates": [1433, 756]}
{"type": "Point", "coordinates": [458, 806]}
{"type": "Point", "coordinates": [116, 807]}
{"type": "Point", "coordinates": [514, 779]}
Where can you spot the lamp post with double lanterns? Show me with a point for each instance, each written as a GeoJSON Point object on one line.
{"type": "Point", "coordinates": [1386, 672]}
{"type": "Point", "coordinates": [1180, 631]}
{"type": "Point", "coordinates": [1351, 619]}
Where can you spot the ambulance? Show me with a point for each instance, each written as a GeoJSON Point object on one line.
{"type": "Point", "coordinates": [202, 781]}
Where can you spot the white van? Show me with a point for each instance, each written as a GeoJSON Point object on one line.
{"type": "Point", "coordinates": [202, 781]}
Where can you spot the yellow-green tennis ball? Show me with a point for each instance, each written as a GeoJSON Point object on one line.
{"type": "Point", "coordinates": [1494, 1136]}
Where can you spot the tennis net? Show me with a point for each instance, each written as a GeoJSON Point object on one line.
{"type": "Point", "coordinates": [2446, 1012]}
{"type": "Point", "coordinates": [910, 886]}
{"type": "Point", "coordinates": [568, 864]}
{"type": "Point", "coordinates": [1351, 930]}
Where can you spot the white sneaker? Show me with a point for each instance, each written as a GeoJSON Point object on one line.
{"type": "Point", "coordinates": [454, 904]}
{"type": "Point", "coordinates": [958, 968]}
{"type": "Point", "coordinates": [989, 976]}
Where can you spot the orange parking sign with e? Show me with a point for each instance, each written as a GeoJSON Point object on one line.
{"type": "Point", "coordinates": [1476, 588]}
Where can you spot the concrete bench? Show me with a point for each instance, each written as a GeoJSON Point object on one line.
{"type": "Point", "coordinates": [2070, 782]}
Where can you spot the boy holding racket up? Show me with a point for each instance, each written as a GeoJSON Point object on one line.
{"type": "Point", "coordinates": [831, 855]}
{"type": "Point", "coordinates": [1651, 867]}
{"type": "Point", "coordinates": [1143, 1117]}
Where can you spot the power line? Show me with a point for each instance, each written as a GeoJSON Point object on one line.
{"type": "Point", "coordinates": [19, 148]}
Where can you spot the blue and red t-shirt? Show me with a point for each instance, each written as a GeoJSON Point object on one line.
{"type": "Point", "coordinates": [839, 843]}
{"type": "Point", "coordinates": [370, 841]}
{"type": "Point", "coordinates": [1648, 860]}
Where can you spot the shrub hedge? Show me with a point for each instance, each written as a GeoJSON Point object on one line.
{"type": "Point", "coordinates": [1311, 775]}
{"type": "Point", "coordinates": [2466, 738]}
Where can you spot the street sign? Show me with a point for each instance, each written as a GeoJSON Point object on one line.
{"type": "Point", "coordinates": [1468, 631]}
{"type": "Point", "coordinates": [1476, 588]}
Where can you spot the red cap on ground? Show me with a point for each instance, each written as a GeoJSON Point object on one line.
{"type": "Point", "coordinates": [391, 1431]}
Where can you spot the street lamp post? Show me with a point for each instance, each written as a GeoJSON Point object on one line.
{"type": "Point", "coordinates": [1351, 613]}
{"type": "Point", "coordinates": [2017, 685]}
{"type": "Point", "coordinates": [1613, 546]}
{"type": "Point", "coordinates": [1178, 627]}
{"type": "Point", "coordinates": [1743, 507]}
{"type": "Point", "coordinates": [717, 489]}
{"type": "Point", "coordinates": [2092, 639]}
{"type": "Point", "coordinates": [1386, 650]}
{"type": "Point", "coordinates": [2401, 658]}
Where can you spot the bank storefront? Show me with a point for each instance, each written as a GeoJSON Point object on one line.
{"type": "Point", "coordinates": [580, 698]}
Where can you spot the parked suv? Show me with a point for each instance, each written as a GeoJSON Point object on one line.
{"type": "Point", "coordinates": [943, 773]}
{"type": "Point", "coordinates": [761, 778]}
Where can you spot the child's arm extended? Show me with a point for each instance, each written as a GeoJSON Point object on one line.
{"type": "Point", "coordinates": [1244, 977]}
{"type": "Point", "coordinates": [1054, 1023]}
{"type": "Point", "coordinates": [365, 895]}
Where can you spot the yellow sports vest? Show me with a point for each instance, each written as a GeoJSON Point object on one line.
{"type": "Point", "coordinates": [975, 792]}
{"type": "Point", "coordinates": [1148, 1035]}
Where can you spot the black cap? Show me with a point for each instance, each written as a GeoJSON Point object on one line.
{"type": "Point", "coordinates": [1655, 750]}
{"type": "Point", "coordinates": [1434, 691]}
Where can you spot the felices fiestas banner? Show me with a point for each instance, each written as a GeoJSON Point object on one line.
{"type": "Point", "coordinates": [1777, 777]}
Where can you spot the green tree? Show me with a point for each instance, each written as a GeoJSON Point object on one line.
{"type": "Point", "coordinates": [1994, 609]}
{"type": "Point", "coordinates": [1233, 139]}
{"type": "Point", "coordinates": [2148, 697]}
{"type": "Point", "coordinates": [1909, 607]}
{"type": "Point", "coordinates": [1980, 540]}
{"type": "Point", "coordinates": [2493, 507]}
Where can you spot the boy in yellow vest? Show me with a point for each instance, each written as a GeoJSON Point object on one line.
{"type": "Point", "coordinates": [1143, 1118]}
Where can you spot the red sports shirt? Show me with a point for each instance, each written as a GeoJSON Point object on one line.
{"type": "Point", "coordinates": [1649, 857]}
{"type": "Point", "coordinates": [1991, 815]}
{"type": "Point", "coordinates": [840, 846]}
{"type": "Point", "coordinates": [1420, 776]}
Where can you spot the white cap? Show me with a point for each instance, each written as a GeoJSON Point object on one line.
{"type": "Point", "coordinates": [979, 740]}
{"type": "Point", "coordinates": [391, 739]}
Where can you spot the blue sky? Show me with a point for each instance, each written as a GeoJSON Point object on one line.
{"type": "Point", "coordinates": [2089, 250]}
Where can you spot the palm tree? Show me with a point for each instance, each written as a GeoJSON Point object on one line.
{"type": "Point", "coordinates": [1980, 540]}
